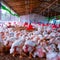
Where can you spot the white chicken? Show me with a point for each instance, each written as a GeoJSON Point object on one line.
{"type": "Point", "coordinates": [17, 44]}
{"type": "Point", "coordinates": [51, 55]}
{"type": "Point", "coordinates": [29, 46]}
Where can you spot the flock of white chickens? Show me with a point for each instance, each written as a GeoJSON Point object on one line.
{"type": "Point", "coordinates": [44, 42]}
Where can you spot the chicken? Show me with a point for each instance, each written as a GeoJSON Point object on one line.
{"type": "Point", "coordinates": [51, 56]}
{"type": "Point", "coordinates": [39, 52]}
{"type": "Point", "coordinates": [49, 30]}
{"type": "Point", "coordinates": [59, 47]}
{"type": "Point", "coordinates": [28, 47]}
{"type": "Point", "coordinates": [18, 43]}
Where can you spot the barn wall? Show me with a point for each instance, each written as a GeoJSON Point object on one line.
{"type": "Point", "coordinates": [33, 18]}
{"type": "Point", "coordinates": [0, 10]}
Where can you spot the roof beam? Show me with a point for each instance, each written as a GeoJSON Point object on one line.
{"type": "Point", "coordinates": [9, 6]}
{"type": "Point", "coordinates": [48, 6]}
{"type": "Point", "coordinates": [22, 4]}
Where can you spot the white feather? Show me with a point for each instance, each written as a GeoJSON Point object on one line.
{"type": "Point", "coordinates": [29, 42]}
{"type": "Point", "coordinates": [51, 55]}
{"type": "Point", "coordinates": [11, 51]}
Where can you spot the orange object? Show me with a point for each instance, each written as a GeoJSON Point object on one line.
{"type": "Point", "coordinates": [30, 27]}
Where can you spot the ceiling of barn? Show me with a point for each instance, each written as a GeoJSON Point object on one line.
{"type": "Point", "coordinates": [44, 7]}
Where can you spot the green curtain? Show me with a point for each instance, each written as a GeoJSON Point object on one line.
{"type": "Point", "coordinates": [4, 8]}
{"type": "Point", "coordinates": [58, 17]}
{"type": "Point", "coordinates": [50, 18]}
